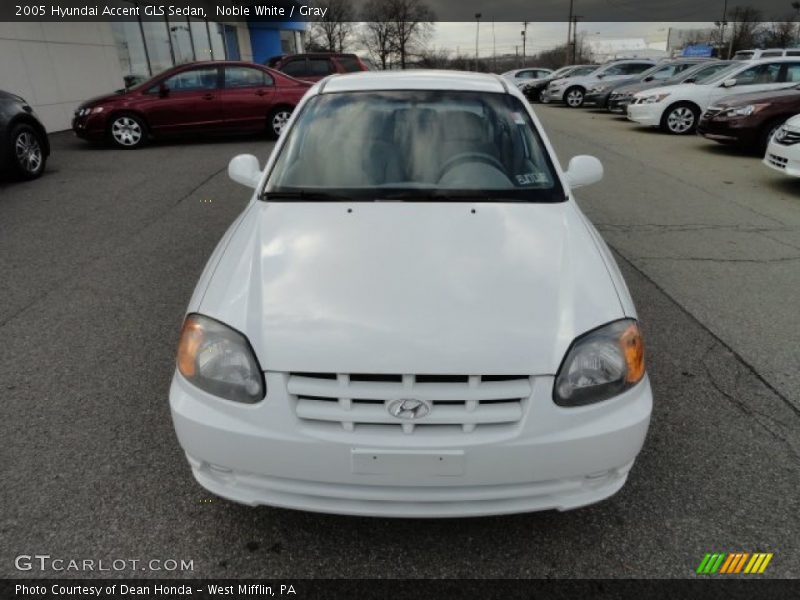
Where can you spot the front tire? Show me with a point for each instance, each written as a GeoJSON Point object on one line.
{"type": "Point", "coordinates": [680, 119]}
{"type": "Point", "coordinates": [127, 131]}
{"type": "Point", "coordinates": [277, 120]}
{"type": "Point", "coordinates": [27, 153]}
{"type": "Point", "coordinates": [574, 97]}
{"type": "Point", "coordinates": [543, 97]}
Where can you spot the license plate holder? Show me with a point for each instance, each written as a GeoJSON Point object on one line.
{"type": "Point", "coordinates": [444, 463]}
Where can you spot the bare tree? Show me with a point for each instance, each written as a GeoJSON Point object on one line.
{"type": "Point", "coordinates": [745, 25]}
{"type": "Point", "coordinates": [333, 31]}
{"type": "Point", "coordinates": [779, 34]}
{"type": "Point", "coordinates": [412, 25]}
{"type": "Point", "coordinates": [376, 31]}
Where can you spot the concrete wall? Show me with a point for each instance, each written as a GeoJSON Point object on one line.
{"type": "Point", "coordinates": [56, 66]}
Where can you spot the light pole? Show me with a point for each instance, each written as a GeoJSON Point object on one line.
{"type": "Point", "coordinates": [477, 36]}
{"type": "Point", "coordinates": [524, 38]}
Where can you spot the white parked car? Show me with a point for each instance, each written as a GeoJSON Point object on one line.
{"type": "Point", "coordinates": [520, 77]}
{"type": "Point", "coordinates": [572, 90]}
{"type": "Point", "coordinates": [783, 150]}
{"type": "Point", "coordinates": [412, 317]}
{"type": "Point", "coordinates": [677, 108]}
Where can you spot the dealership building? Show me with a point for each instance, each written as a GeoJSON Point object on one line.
{"type": "Point", "coordinates": [57, 65]}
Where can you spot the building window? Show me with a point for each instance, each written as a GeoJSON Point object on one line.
{"type": "Point", "coordinates": [217, 40]}
{"type": "Point", "coordinates": [130, 47]}
{"type": "Point", "coordinates": [288, 42]}
{"type": "Point", "coordinates": [232, 43]}
{"type": "Point", "coordinates": [298, 42]}
{"type": "Point", "coordinates": [181, 41]}
{"type": "Point", "coordinates": [159, 50]}
{"type": "Point", "coordinates": [202, 45]}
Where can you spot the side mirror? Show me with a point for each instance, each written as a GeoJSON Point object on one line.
{"type": "Point", "coordinates": [690, 80]}
{"type": "Point", "coordinates": [649, 78]}
{"type": "Point", "coordinates": [729, 83]}
{"type": "Point", "coordinates": [601, 75]}
{"type": "Point", "coordinates": [245, 169]}
{"type": "Point", "coordinates": [583, 170]}
{"type": "Point", "coordinates": [163, 90]}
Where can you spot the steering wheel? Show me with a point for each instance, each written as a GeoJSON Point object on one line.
{"type": "Point", "coordinates": [468, 157]}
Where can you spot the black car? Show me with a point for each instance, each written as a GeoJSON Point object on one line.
{"type": "Point", "coordinates": [24, 146]}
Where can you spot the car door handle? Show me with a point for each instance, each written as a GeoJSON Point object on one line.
{"type": "Point", "coordinates": [208, 96]}
{"type": "Point", "coordinates": [261, 93]}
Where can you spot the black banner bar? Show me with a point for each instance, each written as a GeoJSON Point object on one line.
{"type": "Point", "coordinates": [707, 11]}
{"type": "Point", "coordinates": [728, 588]}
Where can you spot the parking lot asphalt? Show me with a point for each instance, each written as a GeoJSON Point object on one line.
{"type": "Point", "coordinates": [98, 260]}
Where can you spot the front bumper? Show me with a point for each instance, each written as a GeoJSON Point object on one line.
{"type": "Point", "coordinates": [785, 159]}
{"type": "Point", "coordinates": [89, 127]}
{"type": "Point", "coordinates": [648, 115]}
{"type": "Point", "coordinates": [555, 95]}
{"type": "Point", "coordinates": [618, 105]}
{"type": "Point", "coordinates": [597, 99]}
{"type": "Point", "coordinates": [727, 131]}
{"type": "Point", "coordinates": [553, 458]}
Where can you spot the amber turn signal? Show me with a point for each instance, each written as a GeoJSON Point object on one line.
{"type": "Point", "coordinates": [188, 347]}
{"type": "Point", "coordinates": [633, 349]}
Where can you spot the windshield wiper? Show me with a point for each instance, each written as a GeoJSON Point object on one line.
{"type": "Point", "coordinates": [436, 196]}
{"type": "Point", "coordinates": [304, 195]}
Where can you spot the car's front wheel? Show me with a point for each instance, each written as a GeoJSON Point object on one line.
{"type": "Point", "coordinates": [127, 131]}
{"type": "Point", "coordinates": [573, 97]}
{"type": "Point", "coordinates": [27, 152]}
{"type": "Point", "coordinates": [278, 120]}
{"type": "Point", "coordinates": [680, 119]}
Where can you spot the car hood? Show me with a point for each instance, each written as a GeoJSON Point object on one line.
{"type": "Point", "coordinates": [671, 89]}
{"type": "Point", "coordinates": [789, 96]}
{"type": "Point", "coordinates": [411, 287]}
{"type": "Point", "coordinates": [103, 99]}
{"type": "Point", "coordinates": [632, 88]}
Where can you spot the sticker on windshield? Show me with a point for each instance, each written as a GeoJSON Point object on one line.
{"type": "Point", "coordinates": [532, 178]}
{"type": "Point", "coordinates": [517, 118]}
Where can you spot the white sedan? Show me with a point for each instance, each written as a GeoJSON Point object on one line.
{"type": "Point", "coordinates": [783, 151]}
{"type": "Point", "coordinates": [677, 108]}
{"type": "Point", "coordinates": [412, 317]}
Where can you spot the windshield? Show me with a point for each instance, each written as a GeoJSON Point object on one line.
{"type": "Point", "coordinates": [414, 145]}
{"type": "Point", "coordinates": [718, 75]}
{"type": "Point", "coordinates": [583, 71]}
{"type": "Point", "coordinates": [561, 71]}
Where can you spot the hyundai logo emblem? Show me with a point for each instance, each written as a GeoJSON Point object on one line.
{"type": "Point", "coordinates": [409, 409]}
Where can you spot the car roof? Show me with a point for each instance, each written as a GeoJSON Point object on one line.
{"type": "Point", "coordinates": [413, 80]}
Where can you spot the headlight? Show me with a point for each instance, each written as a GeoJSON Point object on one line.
{"type": "Point", "coordinates": [654, 99]}
{"type": "Point", "coordinates": [601, 364]}
{"type": "Point", "coordinates": [219, 360]}
{"type": "Point", "coordinates": [599, 89]}
{"type": "Point", "coordinates": [744, 111]}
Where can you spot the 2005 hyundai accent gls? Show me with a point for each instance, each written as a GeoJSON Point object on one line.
{"type": "Point", "coordinates": [412, 317]}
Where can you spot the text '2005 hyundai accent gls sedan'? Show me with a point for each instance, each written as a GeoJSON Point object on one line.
{"type": "Point", "coordinates": [412, 317]}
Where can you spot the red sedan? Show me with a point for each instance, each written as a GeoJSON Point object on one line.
{"type": "Point", "coordinates": [202, 97]}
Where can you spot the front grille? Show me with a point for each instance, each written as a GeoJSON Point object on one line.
{"type": "Point", "coordinates": [458, 403]}
{"type": "Point", "coordinates": [777, 161]}
{"type": "Point", "coordinates": [787, 137]}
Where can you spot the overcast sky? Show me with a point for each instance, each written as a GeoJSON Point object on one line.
{"type": "Point", "coordinates": [541, 36]}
